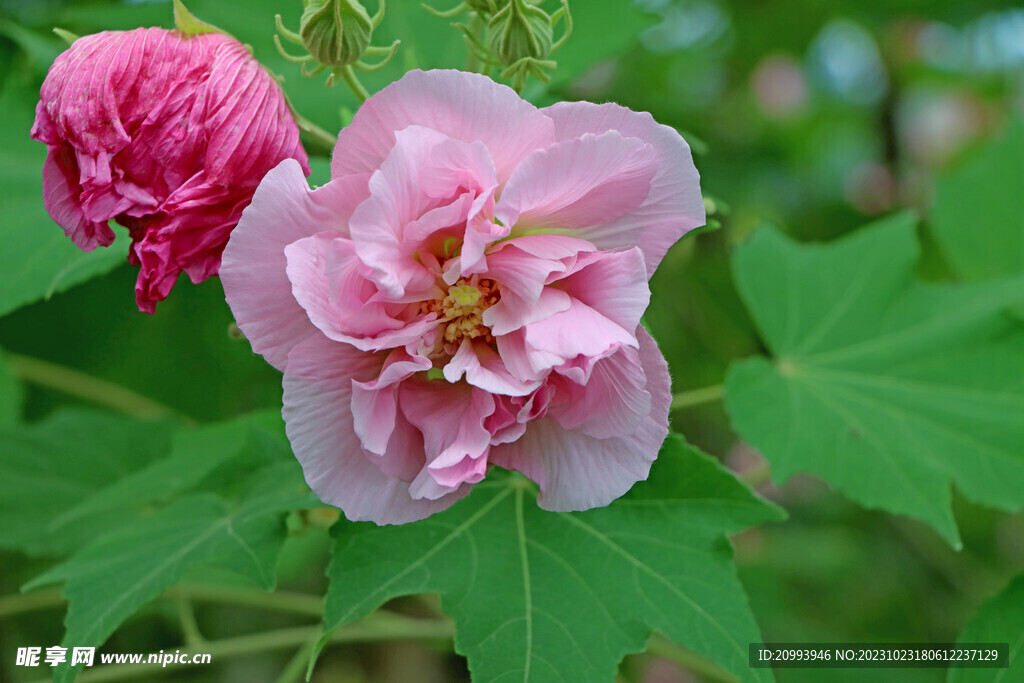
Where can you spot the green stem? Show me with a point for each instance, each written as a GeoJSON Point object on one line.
{"type": "Point", "coordinates": [190, 632]}
{"type": "Point", "coordinates": [81, 385]}
{"type": "Point", "coordinates": [697, 396]}
{"type": "Point", "coordinates": [314, 131]}
{"type": "Point", "coordinates": [352, 81]}
{"type": "Point", "coordinates": [299, 603]}
{"type": "Point", "coordinates": [376, 627]}
{"type": "Point", "coordinates": [660, 646]}
{"type": "Point", "coordinates": [13, 605]}
{"type": "Point", "coordinates": [295, 670]}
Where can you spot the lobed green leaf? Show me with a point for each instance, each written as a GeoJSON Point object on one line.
{"type": "Point", "coordinates": [887, 387]}
{"type": "Point", "coordinates": [540, 596]}
{"type": "Point", "coordinates": [109, 580]}
{"type": "Point", "coordinates": [59, 464]}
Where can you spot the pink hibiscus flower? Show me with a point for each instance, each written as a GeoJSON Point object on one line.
{"type": "Point", "coordinates": [167, 134]}
{"type": "Point", "coordinates": [467, 292]}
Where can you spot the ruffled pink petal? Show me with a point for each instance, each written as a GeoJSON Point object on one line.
{"type": "Point", "coordinates": [398, 199]}
{"type": "Point", "coordinates": [452, 419]}
{"type": "Point", "coordinates": [551, 247]}
{"type": "Point", "coordinates": [521, 272]}
{"type": "Point", "coordinates": [578, 331]}
{"type": "Point", "coordinates": [578, 184]}
{"type": "Point", "coordinates": [578, 472]}
{"type": "Point", "coordinates": [502, 423]}
{"type": "Point", "coordinates": [253, 267]}
{"type": "Point", "coordinates": [514, 311]}
{"type": "Point", "coordinates": [60, 198]}
{"type": "Point", "coordinates": [522, 360]}
{"type": "Point", "coordinates": [485, 370]}
{"type": "Point", "coordinates": [328, 282]}
{"type": "Point", "coordinates": [245, 120]}
{"type": "Point", "coordinates": [673, 206]}
{"type": "Point", "coordinates": [612, 283]}
{"type": "Point", "coordinates": [375, 403]}
{"type": "Point", "coordinates": [612, 402]}
{"type": "Point", "coordinates": [317, 401]}
{"type": "Point", "coordinates": [467, 107]}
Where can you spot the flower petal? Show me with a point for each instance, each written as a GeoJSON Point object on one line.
{"type": "Point", "coordinates": [463, 106]}
{"type": "Point", "coordinates": [375, 403]}
{"type": "Point", "coordinates": [60, 198]}
{"type": "Point", "coordinates": [612, 283]}
{"type": "Point", "coordinates": [578, 331]}
{"type": "Point", "coordinates": [317, 400]}
{"type": "Point", "coordinates": [612, 402]}
{"type": "Point", "coordinates": [578, 184]}
{"type": "Point", "coordinates": [485, 370]}
{"type": "Point", "coordinates": [452, 419]}
{"type": "Point", "coordinates": [513, 311]}
{"type": "Point", "coordinates": [578, 472]}
{"type": "Point", "coordinates": [674, 205]}
{"type": "Point", "coordinates": [410, 207]}
{"type": "Point", "coordinates": [328, 282]}
{"type": "Point", "coordinates": [253, 267]}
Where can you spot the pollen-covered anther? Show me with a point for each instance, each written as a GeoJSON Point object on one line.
{"type": "Point", "coordinates": [461, 311]}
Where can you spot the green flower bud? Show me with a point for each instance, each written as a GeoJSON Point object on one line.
{"type": "Point", "coordinates": [520, 31]}
{"type": "Point", "coordinates": [336, 32]}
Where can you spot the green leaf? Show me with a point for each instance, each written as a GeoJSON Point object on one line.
{"type": "Point", "coordinates": [978, 218]}
{"type": "Point", "coordinates": [1000, 620]}
{"type": "Point", "coordinates": [887, 387]}
{"type": "Point", "coordinates": [10, 395]}
{"type": "Point", "coordinates": [38, 260]}
{"type": "Point", "coordinates": [540, 596]}
{"type": "Point", "coordinates": [112, 578]}
{"type": "Point", "coordinates": [54, 465]}
{"type": "Point", "coordinates": [194, 454]}
{"type": "Point", "coordinates": [79, 474]}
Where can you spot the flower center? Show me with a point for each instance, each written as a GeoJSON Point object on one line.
{"type": "Point", "coordinates": [461, 312]}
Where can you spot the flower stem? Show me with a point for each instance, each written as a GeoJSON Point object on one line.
{"type": "Point", "coordinates": [81, 385]}
{"type": "Point", "coordinates": [688, 399]}
{"type": "Point", "coordinates": [352, 81]}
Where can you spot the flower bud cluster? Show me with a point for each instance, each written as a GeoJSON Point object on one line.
{"type": "Point", "coordinates": [336, 35]}
{"type": "Point", "coordinates": [516, 35]}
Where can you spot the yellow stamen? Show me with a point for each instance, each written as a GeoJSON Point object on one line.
{"type": "Point", "coordinates": [461, 311]}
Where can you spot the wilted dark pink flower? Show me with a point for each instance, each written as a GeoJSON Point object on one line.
{"type": "Point", "coordinates": [467, 291]}
{"type": "Point", "coordinates": [165, 133]}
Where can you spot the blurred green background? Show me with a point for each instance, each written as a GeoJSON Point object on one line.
{"type": "Point", "coordinates": [816, 116]}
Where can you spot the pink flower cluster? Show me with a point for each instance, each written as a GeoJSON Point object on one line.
{"type": "Point", "coordinates": [167, 134]}
{"type": "Point", "coordinates": [466, 292]}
